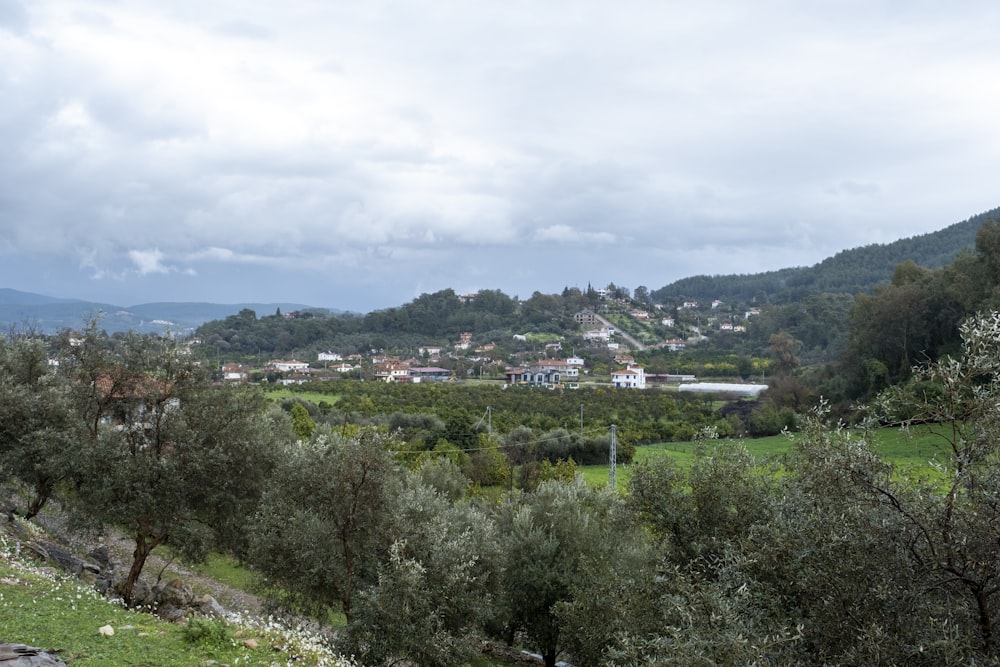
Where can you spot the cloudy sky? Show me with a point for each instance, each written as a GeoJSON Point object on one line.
{"type": "Point", "coordinates": [357, 154]}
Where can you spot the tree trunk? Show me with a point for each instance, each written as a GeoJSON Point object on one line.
{"type": "Point", "coordinates": [143, 548]}
{"type": "Point", "coordinates": [985, 623]}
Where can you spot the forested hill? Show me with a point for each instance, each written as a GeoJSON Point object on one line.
{"type": "Point", "coordinates": [849, 271]}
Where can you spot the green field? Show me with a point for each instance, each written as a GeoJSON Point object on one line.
{"type": "Point", "coordinates": [913, 449]}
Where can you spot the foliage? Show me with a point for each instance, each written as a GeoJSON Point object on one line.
{"type": "Point", "coordinates": [323, 520]}
{"type": "Point", "coordinates": [37, 429]}
{"type": "Point", "coordinates": [435, 590]}
{"type": "Point", "coordinates": [42, 609]}
{"type": "Point", "coordinates": [169, 457]}
{"type": "Point", "coordinates": [552, 537]}
{"type": "Point", "coordinates": [201, 630]}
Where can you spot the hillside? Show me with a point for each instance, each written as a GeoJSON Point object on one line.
{"type": "Point", "coordinates": [848, 272]}
{"type": "Point", "coordinates": [50, 314]}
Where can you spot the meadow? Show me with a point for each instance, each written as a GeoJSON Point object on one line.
{"type": "Point", "coordinates": [906, 450]}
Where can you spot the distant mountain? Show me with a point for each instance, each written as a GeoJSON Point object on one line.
{"type": "Point", "coordinates": [51, 314]}
{"type": "Point", "coordinates": [12, 297]}
{"type": "Point", "coordinates": [849, 271]}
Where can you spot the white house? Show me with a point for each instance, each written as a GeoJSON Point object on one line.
{"type": "Point", "coordinates": [234, 373]}
{"type": "Point", "coordinates": [293, 365]}
{"type": "Point", "coordinates": [633, 377]}
{"type": "Point", "coordinates": [330, 356]}
{"type": "Point", "coordinates": [604, 333]}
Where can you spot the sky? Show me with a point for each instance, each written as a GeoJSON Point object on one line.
{"type": "Point", "coordinates": [355, 155]}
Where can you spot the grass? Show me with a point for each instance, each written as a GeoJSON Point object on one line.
{"type": "Point", "coordinates": [226, 570]}
{"type": "Point", "coordinates": [50, 611]}
{"type": "Point", "coordinates": [913, 449]}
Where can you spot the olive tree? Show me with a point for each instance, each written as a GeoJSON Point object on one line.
{"type": "Point", "coordinates": [169, 457]}
{"type": "Point", "coordinates": [952, 518]}
{"type": "Point", "coordinates": [37, 431]}
{"type": "Point", "coordinates": [553, 536]}
{"type": "Point", "coordinates": [325, 518]}
{"type": "Point", "coordinates": [436, 586]}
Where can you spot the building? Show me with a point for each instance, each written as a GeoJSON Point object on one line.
{"type": "Point", "coordinates": [464, 341]}
{"type": "Point", "coordinates": [604, 334]}
{"type": "Point", "coordinates": [290, 366]}
{"type": "Point", "coordinates": [587, 318]}
{"type": "Point", "coordinates": [234, 373]}
{"type": "Point", "coordinates": [392, 371]}
{"type": "Point", "coordinates": [430, 374]}
{"type": "Point", "coordinates": [633, 377]}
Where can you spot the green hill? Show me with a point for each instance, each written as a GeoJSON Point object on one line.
{"type": "Point", "coordinates": [850, 271]}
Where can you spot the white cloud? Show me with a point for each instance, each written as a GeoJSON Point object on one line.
{"type": "Point", "coordinates": [148, 261]}
{"type": "Point", "coordinates": [371, 142]}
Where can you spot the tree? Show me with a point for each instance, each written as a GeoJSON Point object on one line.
{"type": "Point", "coordinates": [37, 432]}
{"type": "Point", "coordinates": [171, 458]}
{"type": "Point", "coordinates": [552, 536]}
{"type": "Point", "coordinates": [784, 349]}
{"type": "Point", "coordinates": [326, 516]}
{"type": "Point", "coordinates": [953, 520]}
{"type": "Point", "coordinates": [302, 423]}
{"type": "Point", "coordinates": [436, 589]}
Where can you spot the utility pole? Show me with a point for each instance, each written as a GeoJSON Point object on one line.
{"type": "Point", "coordinates": [612, 482]}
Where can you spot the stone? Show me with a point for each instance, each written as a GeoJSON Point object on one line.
{"type": "Point", "coordinates": [106, 630]}
{"type": "Point", "coordinates": [175, 593]}
{"type": "Point", "coordinates": [209, 606]}
{"type": "Point", "coordinates": [21, 655]}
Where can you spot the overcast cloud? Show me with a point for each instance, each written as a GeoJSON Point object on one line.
{"type": "Point", "coordinates": [356, 154]}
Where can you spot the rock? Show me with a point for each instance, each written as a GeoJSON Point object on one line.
{"type": "Point", "coordinates": [106, 630]}
{"type": "Point", "coordinates": [20, 655]}
{"type": "Point", "coordinates": [250, 643]}
{"type": "Point", "coordinates": [175, 593]}
{"type": "Point", "coordinates": [209, 606]}
{"type": "Point", "coordinates": [172, 613]}
{"type": "Point", "coordinates": [142, 594]}
{"type": "Point", "coordinates": [101, 556]}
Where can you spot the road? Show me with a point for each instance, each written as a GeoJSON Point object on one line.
{"type": "Point", "coordinates": [636, 345]}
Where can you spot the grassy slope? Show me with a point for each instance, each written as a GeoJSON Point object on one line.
{"type": "Point", "coordinates": [44, 609]}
